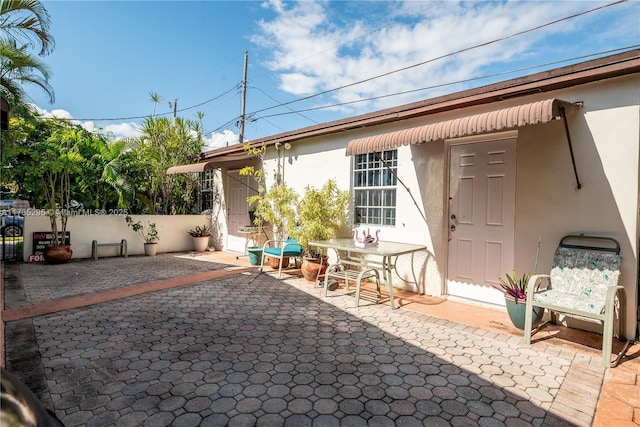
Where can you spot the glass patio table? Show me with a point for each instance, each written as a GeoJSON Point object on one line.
{"type": "Point", "coordinates": [381, 257]}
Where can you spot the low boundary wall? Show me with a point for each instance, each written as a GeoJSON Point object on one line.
{"type": "Point", "coordinates": [83, 229]}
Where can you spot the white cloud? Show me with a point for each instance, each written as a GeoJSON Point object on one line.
{"type": "Point", "coordinates": [319, 46]}
{"type": "Point", "coordinates": [219, 140]}
{"type": "Point", "coordinates": [118, 131]}
{"type": "Point", "coordinates": [115, 131]}
{"type": "Point", "coordinates": [123, 130]}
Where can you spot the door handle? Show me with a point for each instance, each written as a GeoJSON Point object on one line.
{"type": "Point", "coordinates": [452, 222]}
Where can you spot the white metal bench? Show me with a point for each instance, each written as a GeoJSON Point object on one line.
{"type": "Point", "coordinates": [583, 283]}
{"type": "Point", "coordinates": [95, 245]}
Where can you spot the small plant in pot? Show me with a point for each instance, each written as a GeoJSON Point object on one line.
{"type": "Point", "coordinates": [149, 234]}
{"type": "Point", "coordinates": [514, 289]}
{"type": "Point", "coordinates": [200, 237]}
{"type": "Point", "coordinates": [277, 208]}
{"type": "Point", "coordinates": [321, 212]}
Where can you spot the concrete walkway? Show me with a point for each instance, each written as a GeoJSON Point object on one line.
{"type": "Point", "coordinates": [189, 341]}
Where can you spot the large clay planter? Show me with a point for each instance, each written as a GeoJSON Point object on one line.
{"type": "Point", "coordinates": [517, 310]}
{"type": "Point", "coordinates": [57, 254]}
{"type": "Point", "coordinates": [275, 263]}
{"type": "Point", "coordinates": [200, 243]}
{"type": "Point", "coordinates": [311, 266]}
{"type": "Point", "coordinates": [150, 249]}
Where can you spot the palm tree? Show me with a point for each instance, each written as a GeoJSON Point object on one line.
{"type": "Point", "coordinates": [166, 142]}
{"type": "Point", "coordinates": [101, 177]}
{"type": "Point", "coordinates": [18, 68]}
{"type": "Point", "coordinates": [26, 22]}
{"type": "Point", "coordinates": [23, 24]}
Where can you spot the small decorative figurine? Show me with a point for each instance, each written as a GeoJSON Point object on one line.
{"type": "Point", "coordinates": [364, 238]}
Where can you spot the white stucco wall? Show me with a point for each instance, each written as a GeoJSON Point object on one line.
{"type": "Point", "coordinates": [605, 137]}
{"type": "Point", "coordinates": [319, 159]}
{"type": "Point", "coordinates": [172, 230]}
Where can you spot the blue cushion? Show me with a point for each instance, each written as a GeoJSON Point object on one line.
{"type": "Point", "coordinates": [293, 249]}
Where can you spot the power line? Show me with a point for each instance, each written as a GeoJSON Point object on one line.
{"type": "Point", "coordinates": [348, 41]}
{"type": "Point", "coordinates": [291, 110]}
{"type": "Point", "coordinates": [158, 114]}
{"type": "Point", "coordinates": [285, 104]}
{"type": "Point", "coordinates": [497, 40]}
{"type": "Point", "coordinates": [502, 73]}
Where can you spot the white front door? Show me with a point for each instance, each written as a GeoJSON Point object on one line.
{"type": "Point", "coordinates": [238, 189]}
{"type": "Point", "coordinates": [481, 218]}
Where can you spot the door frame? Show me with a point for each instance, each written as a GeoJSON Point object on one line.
{"type": "Point", "coordinates": [228, 178]}
{"type": "Point", "coordinates": [448, 143]}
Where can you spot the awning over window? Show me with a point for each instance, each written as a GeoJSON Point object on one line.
{"type": "Point", "coordinates": [492, 121]}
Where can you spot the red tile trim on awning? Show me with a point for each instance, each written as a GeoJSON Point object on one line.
{"type": "Point", "coordinates": [492, 121]}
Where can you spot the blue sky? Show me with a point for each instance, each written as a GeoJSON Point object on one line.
{"type": "Point", "coordinates": [110, 55]}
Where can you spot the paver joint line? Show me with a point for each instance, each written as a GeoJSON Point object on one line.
{"type": "Point", "coordinates": [274, 352]}
{"type": "Point", "coordinates": [114, 294]}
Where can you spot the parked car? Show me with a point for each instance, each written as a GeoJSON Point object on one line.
{"type": "Point", "coordinates": [12, 225]}
{"type": "Point", "coordinates": [11, 217]}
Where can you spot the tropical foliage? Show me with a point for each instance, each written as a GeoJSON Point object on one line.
{"type": "Point", "coordinates": [278, 207]}
{"type": "Point", "coordinates": [29, 149]}
{"type": "Point", "coordinates": [51, 162]}
{"type": "Point", "coordinates": [200, 231]}
{"type": "Point", "coordinates": [105, 173]}
{"type": "Point", "coordinates": [149, 233]}
{"type": "Point", "coordinates": [321, 213]}
{"type": "Point", "coordinates": [514, 286]}
{"type": "Point", "coordinates": [24, 25]}
{"type": "Point", "coordinates": [26, 22]}
{"type": "Point", "coordinates": [166, 142]}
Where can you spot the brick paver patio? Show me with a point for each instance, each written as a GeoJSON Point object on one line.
{"type": "Point", "coordinates": [243, 349]}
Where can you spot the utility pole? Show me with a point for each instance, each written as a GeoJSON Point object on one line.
{"type": "Point", "coordinates": [174, 104]}
{"type": "Point", "coordinates": [244, 97]}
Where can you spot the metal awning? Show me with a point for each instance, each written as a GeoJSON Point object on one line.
{"type": "Point", "coordinates": [191, 168]}
{"type": "Point", "coordinates": [229, 160]}
{"type": "Point", "coordinates": [492, 121]}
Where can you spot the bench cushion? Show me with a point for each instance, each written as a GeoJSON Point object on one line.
{"type": "Point", "coordinates": [580, 278]}
{"type": "Point", "coordinates": [292, 249]}
{"type": "Point", "coordinates": [289, 252]}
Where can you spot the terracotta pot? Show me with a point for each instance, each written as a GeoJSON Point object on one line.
{"type": "Point", "coordinates": [275, 263]}
{"type": "Point", "coordinates": [57, 254]}
{"type": "Point", "coordinates": [311, 267]}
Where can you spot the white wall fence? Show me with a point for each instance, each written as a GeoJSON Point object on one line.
{"type": "Point", "coordinates": [83, 229]}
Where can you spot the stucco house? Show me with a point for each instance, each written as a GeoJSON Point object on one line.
{"type": "Point", "coordinates": [481, 176]}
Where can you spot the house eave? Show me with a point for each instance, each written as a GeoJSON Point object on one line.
{"type": "Point", "coordinates": [622, 64]}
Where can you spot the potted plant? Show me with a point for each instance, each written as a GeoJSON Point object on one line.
{"type": "Point", "coordinates": [200, 237]}
{"type": "Point", "coordinates": [59, 157]}
{"type": "Point", "coordinates": [321, 213]}
{"type": "Point", "coordinates": [514, 289]}
{"type": "Point", "coordinates": [149, 234]}
{"type": "Point", "coordinates": [277, 207]}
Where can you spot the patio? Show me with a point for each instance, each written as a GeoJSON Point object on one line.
{"type": "Point", "coordinates": [189, 340]}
